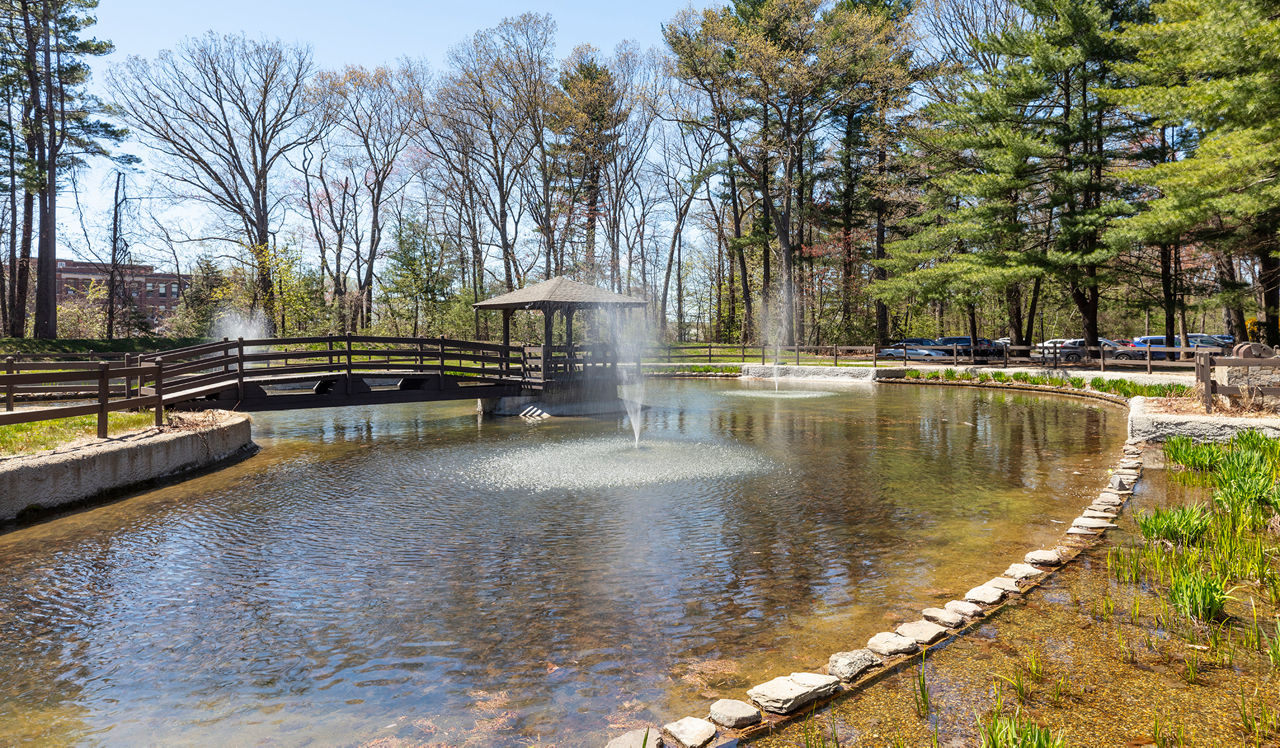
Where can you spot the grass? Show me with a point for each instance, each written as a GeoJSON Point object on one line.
{"type": "Point", "coordinates": [73, 345]}
{"type": "Point", "coordinates": [1183, 525]}
{"type": "Point", "coordinates": [921, 692]}
{"type": "Point", "coordinates": [1181, 450]}
{"type": "Point", "coordinates": [1259, 717]}
{"type": "Point", "coordinates": [1198, 595]}
{"type": "Point", "coordinates": [25, 438]}
{"type": "Point", "coordinates": [1001, 730]}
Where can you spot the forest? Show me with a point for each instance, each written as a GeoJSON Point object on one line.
{"type": "Point", "coordinates": [793, 172]}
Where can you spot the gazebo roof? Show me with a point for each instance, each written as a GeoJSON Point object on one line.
{"type": "Point", "coordinates": [557, 293]}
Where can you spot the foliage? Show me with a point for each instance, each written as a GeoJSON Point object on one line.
{"type": "Point", "coordinates": [1180, 526]}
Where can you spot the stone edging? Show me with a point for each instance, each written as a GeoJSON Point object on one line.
{"type": "Point", "coordinates": [33, 484]}
{"type": "Point", "coordinates": [773, 705]}
{"type": "Point", "coordinates": [1017, 386]}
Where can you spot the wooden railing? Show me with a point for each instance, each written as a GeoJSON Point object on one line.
{"type": "Point", "coordinates": [1054, 356]}
{"type": "Point", "coordinates": [108, 385]}
{"type": "Point", "coordinates": [1210, 388]}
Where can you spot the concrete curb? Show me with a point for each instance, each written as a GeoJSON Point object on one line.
{"type": "Point", "coordinates": [1150, 426]}
{"type": "Point", "coordinates": [72, 475]}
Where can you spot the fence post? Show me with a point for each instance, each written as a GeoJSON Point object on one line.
{"type": "Point", "coordinates": [239, 368]}
{"type": "Point", "coordinates": [346, 382]}
{"type": "Point", "coordinates": [875, 356]}
{"type": "Point", "coordinates": [159, 393]}
{"type": "Point", "coordinates": [797, 354]}
{"type": "Point", "coordinates": [708, 351]}
{"type": "Point", "coordinates": [226, 356]}
{"type": "Point", "coordinates": [1148, 347]}
{"type": "Point", "coordinates": [8, 388]}
{"type": "Point", "coordinates": [1102, 356]}
{"type": "Point", "coordinates": [1204, 374]}
{"type": "Point", "coordinates": [104, 382]}
{"type": "Point", "coordinates": [955, 354]}
{"type": "Point", "coordinates": [1005, 348]}
{"type": "Point", "coordinates": [441, 361]}
{"type": "Point", "coordinates": [835, 355]}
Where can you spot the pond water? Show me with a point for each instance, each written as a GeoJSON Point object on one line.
{"type": "Point", "coordinates": [411, 574]}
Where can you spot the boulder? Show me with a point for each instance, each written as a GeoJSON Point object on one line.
{"type": "Point", "coordinates": [944, 617]}
{"type": "Point", "coordinates": [690, 732]}
{"type": "Point", "coordinates": [1118, 483]}
{"type": "Point", "coordinates": [1043, 558]}
{"type": "Point", "coordinates": [734, 713]}
{"type": "Point", "coordinates": [1021, 571]}
{"type": "Point", "coordinates": [888, 644]}
{"type": "Point", "coordinates": [984, 594]}
{"type": "Point", "coordinates": [648, 737]}
{"type": "Point", "coordinates": [964, 608]}
{"type": "Point", "coordinates": [850, 665]}
{"type": "Point", "coordinates": [785, 694]}
{"type": "Point", "coordinates": [923, 632]}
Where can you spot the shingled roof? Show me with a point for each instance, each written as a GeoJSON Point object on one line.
{"type": "Point", "coordinates": [557, 293]}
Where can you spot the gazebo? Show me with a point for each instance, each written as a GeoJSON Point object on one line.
{"type": "Point", "coordinates": [559, 294]}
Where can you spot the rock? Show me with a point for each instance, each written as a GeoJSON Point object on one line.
{"type": "Point", "coordinates": [1129, 465]}
{"type": "Point", "coordinates": [636, 739]}
{"type": "Point", "coordinates": [691, 732]}
{"type": "Point", "coordinates": [1021, 571]}
{"type": "Point", "coordinates": [1118, 483]}
{"type": "Point", "coordinates": [1043, 558]}
{"type": "Point", "coordinates": [888, 644]}
{"type": "Point", "coordinates": [849, 665]}
{"type": "Point", "coordinates": [733, 713]}
{"type": "Point", "coordinates": [964, 608]}
{"type": "Point", "coordinates": [923, 632]}
{"type": "Point", "coordinates": [1109, 499]}
{"type": "Point", "coordinates": [1098, 514]}
{"type": "Point", "coordinates": [785, 694]}
{"type": "Point", "coordinates": [1003, 583]}
{"type": "Point", "coordinates": [1080, 531]}
{"type": "Point", "coordinates": [985, 595]}
{"type": "Point", "coordinates": [944, 617]}
{"type": "Point", "coordinates": [1091, 523]}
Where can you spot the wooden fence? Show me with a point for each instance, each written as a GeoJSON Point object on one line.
{"type": "Point", "coordinates": [1210, 388]}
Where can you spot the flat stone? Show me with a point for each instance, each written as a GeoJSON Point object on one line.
{"type": "Point", "coordinates": [1098, 514]}
{"type": "Point", "coordinates": [944, 617]}
{"type": "Point", "coordinates": [888, 644]}
{"type": "Point", "coordinates": [1118, 483]}
{"type": "Point", "coordinates": [923, 632]}
{"type": "Point", "coordinates": [787, 693]}
{"type": "Point", "coordinates": [849, 665]}
{"type": "Point", "coordinates": [984, 594]}
{"type": "Point", "coordinates": [1091, 523]}
{"type": "Point", "coordinates": [691, 732]}
{"type": "Point", "coordinates": [1080, 531]}
{"type": "Point", "coordinates": [964, 608]}
{"type": "Point", "coordinates": [1003, 583]}
{"type": "Point", "coordinates": [1021, 571]}
{"type": "Point", "coordinates": [1109, 500]}
{"type": "Point", "coordinates": [1043, 558]}
{"type": "Point", "coordinates": [637, 738]}
{"type": "Point", "coordinates": [734, 713]}
{"type": "Point", "coordinates": [1130, 465]}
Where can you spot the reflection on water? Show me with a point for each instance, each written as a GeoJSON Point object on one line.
{"type": "Point", "coordinates": [779, 394]}
{"type": "Point", "coordinates": [412, 572]}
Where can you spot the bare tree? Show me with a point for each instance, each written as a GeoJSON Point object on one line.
{"type": "Point", "coordinates": [223, 112]}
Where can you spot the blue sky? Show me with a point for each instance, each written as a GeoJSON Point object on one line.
{"type": "Point", "coordinates": [369, 32]}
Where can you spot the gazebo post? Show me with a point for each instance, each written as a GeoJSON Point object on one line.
{"type": "Point", "coordinates": [568, 336]}
{"type": "Point", "coordinates": [506, 341]}
{"type": "Point", "coordinates": [548, 322]}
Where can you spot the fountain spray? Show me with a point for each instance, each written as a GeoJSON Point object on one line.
{"type": "Point", "coordinates": [630, 337]}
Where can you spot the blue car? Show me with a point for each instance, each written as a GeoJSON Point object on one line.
{"type": "Point", "coordinates": [1197, 340]}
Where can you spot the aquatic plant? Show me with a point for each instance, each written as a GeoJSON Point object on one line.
{"type": "Point", "coordinates": [1183, 525]}
{"type": "Point", "coordinates": [1061, 689]}
{"type": "Point", "coordinates": [1197, 595]}
{"type": "Point", "coordinates": [1021, 688]}
{"type": "Point", "coordinates": [950, 374]}
{"type": "Point", "coordinates": [920, 692]}
{"type": "Point", "coordinates": [1258, 717]}
{"type": "Point", "coordinates": [1190, 670]}
{"type": "Point", "coordinates": [813, 736]}
{"type": "Point", "coordinates": [1161, 738]}
{"type": "Point", "coordinates": [1012, 731]}
{"type": "Point", "coordinates": [1182, 450]}
{"type": "Point", "coordinates": [1035, 667]}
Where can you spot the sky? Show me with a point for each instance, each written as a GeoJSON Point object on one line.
{"type": "Point", "coordinates": [341, 32]}
{"type": "Point", "coordinates": [369, 32]}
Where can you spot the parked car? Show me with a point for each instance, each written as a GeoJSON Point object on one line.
{"type": "Point", "coordinates": [912, 354]}
{"type": "Point", "coordinates": [1227, 340]}
{"type": "Point", "coordinates": [1047, 347]}
{"type": "Point", "coordinates": [917, 342]}
{"type": "Point", "coordinates": [1195, 339]}
{"type": "Point", "coordinates": [984, 346]}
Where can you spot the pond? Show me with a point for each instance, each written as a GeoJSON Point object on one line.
{"type": "Point", "coordinates": [413, 573]}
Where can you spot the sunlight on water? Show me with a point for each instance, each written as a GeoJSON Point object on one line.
{"type": "Point", "coordinates": [608, 462]}
{"type": "Point", "coordinates": [779, 394]}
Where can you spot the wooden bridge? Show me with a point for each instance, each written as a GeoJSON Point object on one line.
{"type": "Point", "coordinates": [283, 373]}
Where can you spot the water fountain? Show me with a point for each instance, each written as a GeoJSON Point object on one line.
{"type": "Point", "coordinates": [630, 336]}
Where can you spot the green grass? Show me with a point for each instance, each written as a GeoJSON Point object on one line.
{"type": "Point", "coordinates": [1012, 731]}
{"type": "Point", "coordinates": [70, 345]}
{"type": "Point", "coordinates": [1197, 594]}
{"type": "Point", "coordinates": [1181, 450]}
{"type": "Point", "coordinates": [25, 438]}
{"type": "Point", "coordinates": [1181, 526]}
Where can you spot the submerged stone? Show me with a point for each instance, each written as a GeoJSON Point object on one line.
{"type": "Point", "coordinates": [733, 713]}
{"type": "Point", "coordinates": [1021, 571]}
{"type": "Point", "coordinates": [1091, 523]}
{"type": "Point", "coordinates": [1043, 558]}
{"type": "Point", "coordinates": [691, 732]}
{"type": "Point", "coordinates": [923, 632]}
{"type": "Point", "coordinates": [888, 644]}
{"type": "Point", "coordinates": [637, 738]}
{"type": "Point", "coordinates": [964, 608]}
{"type": "Point", "coordinates": [1080, 531]}
{"type": "Point", "coordinates": [849, 665]}
{"type": "Point", "coordinates": [787, 693]}
{"type": "Point", "coordinates": [944, 617]}
{"type": "Point", "coordinates": [984, 594]}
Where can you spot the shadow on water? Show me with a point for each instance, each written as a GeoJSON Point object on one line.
{"type": "Point", "coordinates": [412, 572]}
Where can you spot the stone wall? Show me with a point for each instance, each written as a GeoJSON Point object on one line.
{"type": "Point", "coordinates": [1148, 426]}
{"type": "Point", "coordinates": [74, 474]}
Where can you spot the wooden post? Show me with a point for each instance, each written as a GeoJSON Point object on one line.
{"type": "Point", "coordinates": [875, 356]}
{"type": "Point", "coordinates": [506, 342]}
{"type": "Point", "coordinates": [104, 382]}
{"type": "Point", "coordinates": [955, 354]}
{"type": "Point", "coordinates": [239, 368]}
{"type": "Point", "coordinates": [1148, 347]}
{"type": "Point", "coordinates": [1006, 355]}
{"type": "Point", "coordinates": [1204, 374]}
{"type": "Point", "coordinates": [835, 355]}
{"type": "Point", "coordinates": [708, 351]}
{"type": "Point", "coordinates": [441, 362]}
{"type": "Point", "coordinates": [797, 354]}
{"type": "Point", "coordinates": [159, 393]}
{"type": "Point", "coordinates": [1102, 357]}
{"type": "Point", "coordinates": [329, 345]}
{"type": "Point", "coordinates": [226, 356]}
{"type": "Point", "coordinates": [8, 388]}
{"type": "Point", "coordinates": [346, 380]}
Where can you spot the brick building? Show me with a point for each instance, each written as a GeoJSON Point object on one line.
{"type": "Point", "coordinates": [154, 294]}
